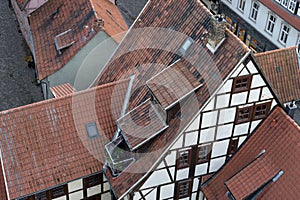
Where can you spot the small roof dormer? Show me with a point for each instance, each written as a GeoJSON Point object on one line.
{"type": "Point", "coordinates": [63, 40]}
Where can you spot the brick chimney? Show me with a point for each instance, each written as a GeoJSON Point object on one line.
{"type": "Point", "coordinates": [216, 33]}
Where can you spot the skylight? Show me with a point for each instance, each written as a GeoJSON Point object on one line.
{"type": "Point", "coordinates": [184, 47]}
{"type": "Point", "coordinates": [91, 129]}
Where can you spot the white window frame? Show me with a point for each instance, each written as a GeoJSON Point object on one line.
{"type": "Point", "coordinates": [284, 34]}
{"type": "Point", "coordinates": [241, 5]}
{"type": "Point", "coordinates": [292, 5]}
{"type": "Point", "coordinates": [285, 3]}
{"type": "Point", "coordinates": [254, 10]}
{"type": "Point", "coordinates": [271, 23]}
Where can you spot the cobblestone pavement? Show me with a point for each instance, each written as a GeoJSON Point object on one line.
{"type": "Point", "coordinates": [17, 86]}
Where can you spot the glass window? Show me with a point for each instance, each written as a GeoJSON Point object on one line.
{"type": "Point", "coordinates": [284, 3]}
{"type": "Point", "coordinates": [204, 153]}
{"type": "Point", "coordinates": [271, 23]}
{"type": "Point", "coordinates": [183, 158]}
{"type": "Point", "coordinates": [184, 189]}
{"type": "Point", "coordinates": [284, 34]}
{"type": "Point", "coordinates": [241, 5]}
{"type": "Point", "coordinates": [243, 115]}
{"type": "Point", "coordinates": [233, 145]}
{"type": "Point", "coordinates": [261, 110]}
{"type": "Point", "coordinates": [241, 83]}
{"type": "Point", "coordinates": [292, 5]}
{"type": "Point", "coordinates": [254, 10]}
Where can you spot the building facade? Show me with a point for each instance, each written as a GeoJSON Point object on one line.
{"type": "Point", "coordinates": [264, 25]}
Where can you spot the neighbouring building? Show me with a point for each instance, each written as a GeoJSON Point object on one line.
{"type": "Point", "coordinates": [178, 97]}
{"type": "Point", "coordinates": [264, 24]}
{"type": "Point", "coordinates": [282, 68]}
{"type": "Point", "coordinates": [70, 40]}
{"type": "Point", "coordinates": [265, 167]}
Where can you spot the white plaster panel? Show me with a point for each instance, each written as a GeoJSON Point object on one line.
{"type": "Point", "coordinates": [257, 81]}
{"type": "Point", "coordinates": [161, 165]}
{"type": "Point", "coordinates": [144, 192]}
{"type": "Point", "coordinates": [106, 187]}
{"type": "Point", "coordinates": [136, 196]}
{"type": "Point", "coordinates": [61, 198]}
{"type": "Point", "coordinates": [274, 103]}
{"type": "Point", "coordinates": [182, 174]}
{"type": "Point", "coordinates": [93, 190]}
{"type": "Point", "coordinates": [106, 195]}
{"type": "Point", "coordinates": [244, 72]}
{"type": "Point", "coordinates": [75, 185]}
{"type": "Point", "coordinates": [266, 94]}
{"type": "Point", "coordinates": [241, 140]}
{"type": "Point", "coordinates": [76, 195]}
{"type": "Point", "coordinates": [195, 185]}
{"type": "Point", "coordinates": [207, 135]}
{"type": "Point", "coordinates": [254, 124]}
{"type": "Point", "coordinates": [254, 95]}
{"type": "Point", "coordinates": [172, 171]}
{"type": "Point", "coordinates": [216, 163]}
{"type": "Point", "coordinates": [171, 158]}
{"type": "Point", "coordinates": [223, 101]}
{"type": "Point", "coordinates": [226, 87]}
{"type": "Point", "coordinates": [209, 119]}
{"type": "Point", "coordinates": [224, 131]}
{"type": "Point", "coordinates": [220, 148]}
{"type": "Point", "coordinates": [239, 98]}
{"type": "Point", "coordinates": [178, 143]}
{"type": "Point", "coordinates": [210, 105]}
{"type": "Point", "coordinates": [227, 115]}
{"type": "Point", "coordinates": [235, 74]}
{"type": "Point", "coordinates": [241, 129]}
{"type": "Point", "coordinates": [157, 178]}
{"type": "Point", "coordinates": [191, 139]}
{"type": "Point", "coordinates": [251, 67]}
{"type": "Point", "coordinates": [167, 191]}
{"type": "Point", "coordinates": [201, 169]}
{"type": "Point", "coordinates": [151, 195]}
{"type": "Point", "coordinates": [194, 196]}
{"type": "Point", "coordinates": [194, 125]}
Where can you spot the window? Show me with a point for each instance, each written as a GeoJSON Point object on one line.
{"type": "Point", "coordinates": [183, 158]}
{"type": "Point", "coordinates": [284, 33]}
{"type": "Point", "coordinates": [186, 44]}
{"type": "Point", "coordinates": [241, 83]}
{"type": "Point", "coordinates": [261, 110]}
{"type": "Point", "coordinates": [59, 191]}
{"type": "Point", "coordinates": [92, 130]}
{"type": "Point", "coordinates": [241, 5]}
{"type": "Point", "coordinates": [243, 115]}
{"type": "Point", "coordinates": [292, 5]}
{"type": "Point", "coordinates": [284, 3]}
{"type": "Point", "coordinates": [233, 145]}
{"type": "Point", "coordinates": [271, 23]}
{"type": "Point", "coordinates": [204, 153]}
{"type": "Point", "coordinates": [183, 189]}
{"type": "Point", "coordinates": [92, 180]}
{"type": "Point", "coordinates": [254, 10]}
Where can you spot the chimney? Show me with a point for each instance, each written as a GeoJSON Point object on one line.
{"type": "Point", "coordinates": [216, 33]}
{"type": "Point", "coordinates": [290, 109]}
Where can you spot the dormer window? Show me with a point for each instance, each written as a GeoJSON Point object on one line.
{"type": "Point", "coordinates": [184, 47]}
{"type": "Point", "coordinates": [63, 40]}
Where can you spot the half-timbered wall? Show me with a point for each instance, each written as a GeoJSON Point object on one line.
{"type": "Point", "coordinates": [94, 187]}
{"type": "Point", "coordinates": [214, 135]}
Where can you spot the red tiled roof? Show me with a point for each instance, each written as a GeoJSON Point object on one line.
{"type": "Point", "coordinates": [46, 144]}
{"type": "Point", "coordinates": [151, 46]}
{"type": "Point", "coordinates": [141, 124]}
{"type": "Point", "coordinates": [282, 12]}
{"type": "Point", "coordinates": [279, 136]}
{"type": "Point", "coordinates": [56, 17]}
{"type": "Point", "coordinates": [172, 84]}
{"type": "Point", "coordinates": [281, 67]}
{"type": "Point", "coordinates": [2, 185]}
{"type": "Point", "coordinates": [62, 90]}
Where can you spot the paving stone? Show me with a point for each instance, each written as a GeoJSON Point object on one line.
{"type": "Point", "coordinates": [17, 86]}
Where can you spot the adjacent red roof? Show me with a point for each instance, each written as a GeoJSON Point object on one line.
{"type": "Point", "coordinates": [282, 12]}
{"type": "Point", "coordinates": [56, 17]}
{"type": "Point", "coordinates": [151, 46]}
{"type": "Point", "coordinates": [46, 144]}
{"type": "Point", "coordinates": [173, 83]}
{"type": "Point", "coordinates": [62, 90]}
{"type": "Point", "coordinates": [281, 67]}
{"type": "Point", "coordinates": [246, 171]}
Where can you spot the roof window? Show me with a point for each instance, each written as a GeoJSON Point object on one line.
{"type": "Point", "coordinates": [91, 129]}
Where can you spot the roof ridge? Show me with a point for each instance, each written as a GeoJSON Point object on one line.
{"type": "Point", "coordinates": [62, 97]}
{"type": "Point", "coordinates": [275, 51]}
